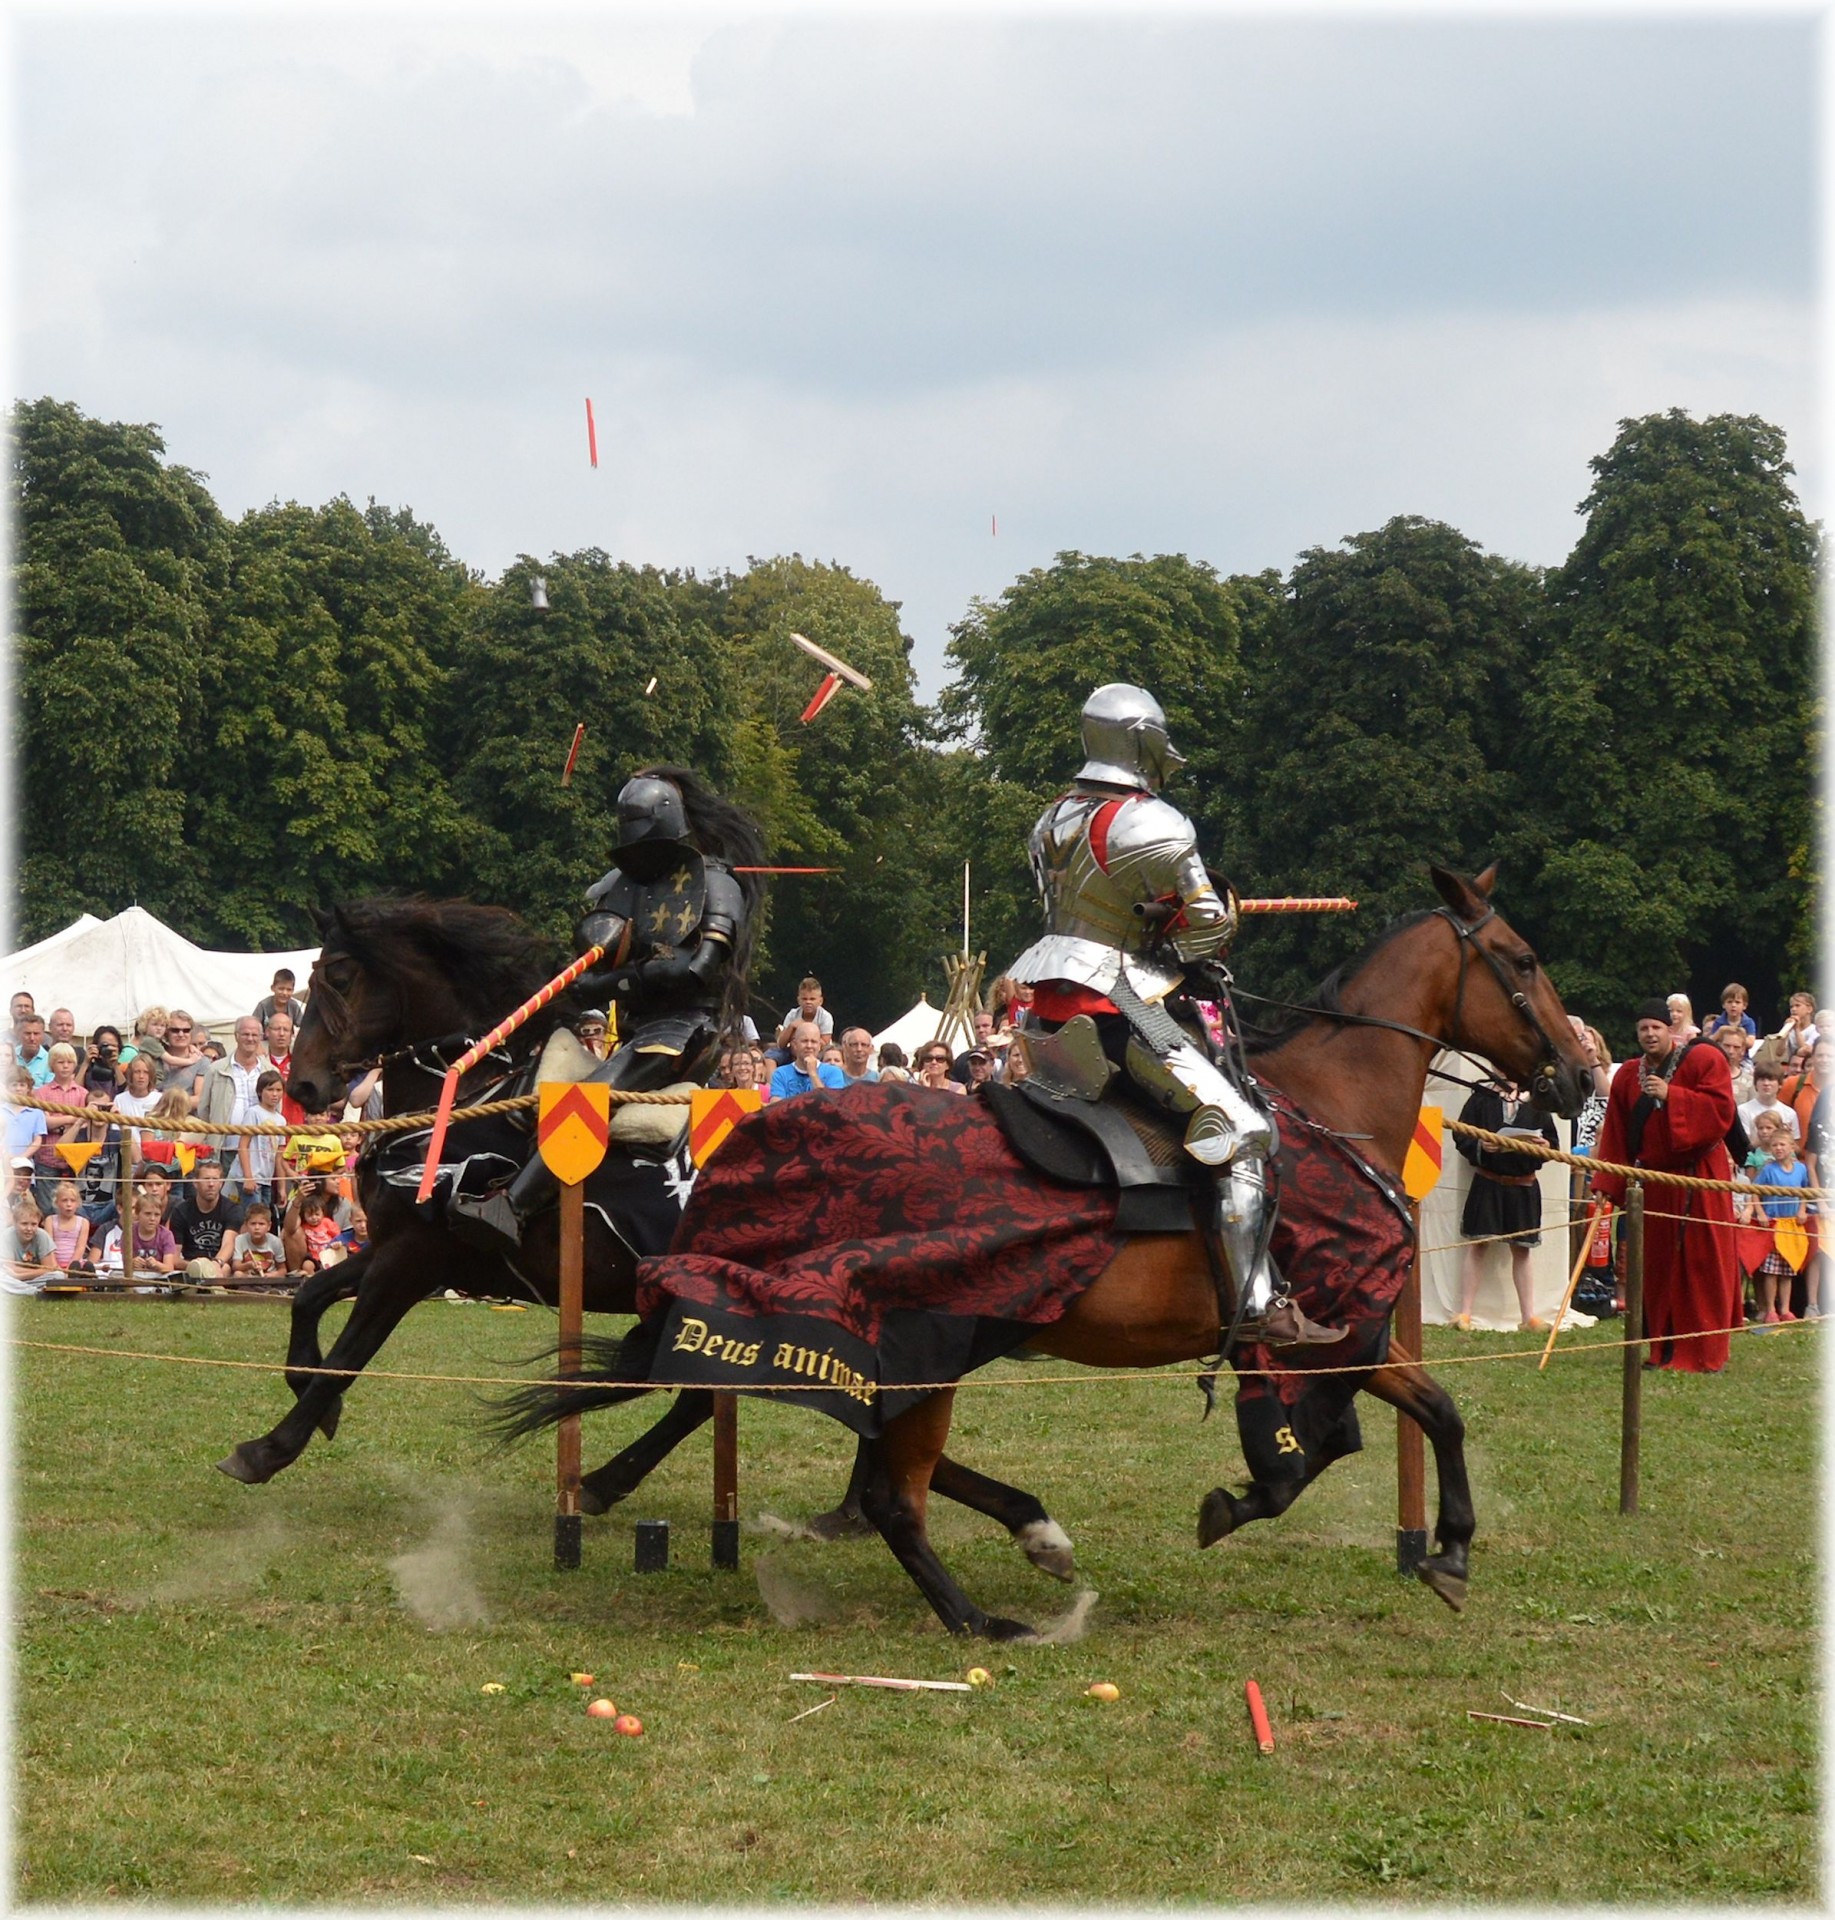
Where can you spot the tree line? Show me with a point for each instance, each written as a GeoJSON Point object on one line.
{"type": "Point", "coordinates": [235, 721]}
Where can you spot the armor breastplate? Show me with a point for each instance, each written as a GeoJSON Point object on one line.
{"type": "Point", "coordinates": [1095, 857]}
{"type": "Point", "coordinates": [664, 914]}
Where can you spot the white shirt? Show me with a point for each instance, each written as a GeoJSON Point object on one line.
{"type": "Point", "coordinates": [1751, 1110]}
{"type": "Point", "coordinates": [247, 1106]}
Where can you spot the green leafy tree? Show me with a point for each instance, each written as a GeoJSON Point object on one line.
{"type": "Point", "coordinates": [120, 558]}
{"type": "Point", "coordinates": [319, 776]}
{"type": "Point", "coordinates": [1670, 721]}
{"type": "Point", "coordinates": [1383, 733]}
{"type": "Point", "coordinates": [854, 788]}
{"type": "Point", "coordinates": [524, 678]}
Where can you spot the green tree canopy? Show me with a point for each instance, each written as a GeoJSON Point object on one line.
{"type": "Point", "coordinates": [1382, 733]}
{"type": "Point", "coordinates": [1670, 719]}
{"type": "Point", "coordinates": [120, 558]}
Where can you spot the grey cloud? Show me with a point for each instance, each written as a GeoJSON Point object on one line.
{"type": "Point", "coordinates": [899, 205]}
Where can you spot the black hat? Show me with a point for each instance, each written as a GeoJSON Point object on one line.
{"type": "Point", "coordinates": [1653, 1010]}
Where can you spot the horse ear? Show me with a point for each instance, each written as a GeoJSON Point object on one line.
{"type": "Point", "coordinates": [322, 921]}
{"type": "Point", "coordinates": [1465, 899]}
{"type": "Point", "coordinates": [1486, 881]}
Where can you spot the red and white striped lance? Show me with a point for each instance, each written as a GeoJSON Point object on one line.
{"type": "Point", "coordinates": [1297, 903]}
{"type": "Point", "coordinates": [449, 1087]}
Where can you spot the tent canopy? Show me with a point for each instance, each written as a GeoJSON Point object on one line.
{"type": "Point", "coordinates": [911, 1030]}
{"type": "Point", "coordinates": [108, 970]}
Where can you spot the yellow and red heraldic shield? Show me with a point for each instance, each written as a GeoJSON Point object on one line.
{"type": "Point", "coordinates": [713, 1113]}
{"type": "Point", "coordinates": [1426, 1151]}
{"type": "Point", "coordinates": [572, 1124]}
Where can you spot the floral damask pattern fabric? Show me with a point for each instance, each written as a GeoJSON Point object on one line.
{"type": "Point", "coordinates": [879, 1199]}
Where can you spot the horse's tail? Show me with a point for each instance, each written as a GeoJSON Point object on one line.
{"type": "Point", "coordinates": [611, 1372]}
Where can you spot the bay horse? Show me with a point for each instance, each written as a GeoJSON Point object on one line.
{"type": "Point", "coordinates": [413, 981]}
{"type": "Point", "coordinates": [1354, 1061]}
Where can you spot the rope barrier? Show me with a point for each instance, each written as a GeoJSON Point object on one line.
{"type": "Point", "coordinates": [397, 1123]}
{"type": "Point", "coordinates": [1095, 1377]}
{"type": "Point", "coordinates": [1538, 1150]}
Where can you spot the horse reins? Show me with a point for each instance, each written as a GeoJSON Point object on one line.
{"type": "Point", "coordinates": [1542, 1079]}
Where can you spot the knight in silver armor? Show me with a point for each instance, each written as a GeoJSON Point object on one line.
{"type": "Point", "coordinates": [1130, 910]}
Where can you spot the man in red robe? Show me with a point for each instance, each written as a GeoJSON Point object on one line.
{"type": "Point", "coordinates": [1669, 1110]}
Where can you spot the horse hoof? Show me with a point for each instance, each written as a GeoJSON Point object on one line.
{"type": "Point", "coordinates": [1216, 1518]}
{"type": "Point", "coordinates": [1449, 1586]}
{"type": "Point", "coordinates": [242, 1463]}
{"type": "Point", "coordinates": [593, 1501]}
{"type": "Point", "coordinates": [1048, 1547]}
{"type": "Point", "coordinates": [328, 1421]}
{"type": "Point", "coordinates": [839, 1523]}
{"type": "Point", "coordinates": [994, 1628]}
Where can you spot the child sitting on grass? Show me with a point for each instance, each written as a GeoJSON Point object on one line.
{"type": "Point", "coordinates": [26, 1249]}
{"type": "Point", "coordinates": [155, 1250]}
{"type": "Point", "coordinates": [258, 1250]}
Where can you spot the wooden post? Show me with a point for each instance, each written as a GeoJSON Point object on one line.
{"type": "Point", "coordinates": [124, 1205]}
{"type": "Point", "coordinates": [1410, 1458]}
{"type": "Point", "coordinates": [726, 1480]}
{"type": "Point", "coordinates": [567, 1434]}
{"type": "Point", "coordinates": [1631, 1417]}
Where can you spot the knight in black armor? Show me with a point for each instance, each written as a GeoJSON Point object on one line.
{"type": "Point", "coordinates": [1133, 920]}
{"type": "Point", "coordinates": [674, 920]}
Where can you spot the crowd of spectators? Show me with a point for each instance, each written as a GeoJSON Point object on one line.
{"type": "Point", "coordinates": [139, 1183]}
{"type": "Point", "coordinates": [256, 1208]}
{"type": "Point", "coordinates": [1779, 1079]}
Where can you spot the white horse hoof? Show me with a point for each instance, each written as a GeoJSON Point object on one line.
{"type": "Point", "coordinates": [1048, 1547]}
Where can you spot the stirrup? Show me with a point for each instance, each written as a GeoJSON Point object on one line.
{"type": "Point", "coordinates": [1282, 1324]}
{"type": "Point", "coordinates": [486, 1220]}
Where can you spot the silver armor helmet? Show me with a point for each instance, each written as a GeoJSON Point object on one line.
{"type": "Point", "coordinates": [1124, 734]}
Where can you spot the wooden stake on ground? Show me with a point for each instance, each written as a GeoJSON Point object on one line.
{"type": "Point", "coordinates": [1573, 1280]}
{"type": "Point", "coordinates": [1410, 1454]}
{"type": "Point", "coordinates": [1631, 1415]}
{"type": "Point", "coordinates": [726, 1480]}
{"type": "Point", "coordinates": [567, 1434]}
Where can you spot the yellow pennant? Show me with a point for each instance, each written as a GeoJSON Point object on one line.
{"type": "Point", "coordinates": [77, 1154]}
{"type": "Point", "coordinates": [572, 1125]}
{"type": "Point", "coordinates": [1793, 1243]}
{"type": "Point", "coordinates": [1426, 1153]}
{"type": "Point", "coordinates": [187, 1156]}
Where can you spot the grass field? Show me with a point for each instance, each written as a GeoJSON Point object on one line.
{"type": "Point", "coordinates": [233, 1693]}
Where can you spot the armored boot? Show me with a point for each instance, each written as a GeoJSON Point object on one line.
{"type": "Point", "coordinates": [1270, 1316]}
{"type": "Point", "coordinates": [494, 1220]}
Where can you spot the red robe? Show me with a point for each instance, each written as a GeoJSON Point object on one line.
{"type": "Point", "coordinates": [1691, 1279]}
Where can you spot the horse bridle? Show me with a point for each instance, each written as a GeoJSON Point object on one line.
{"type": "Point", "coordinates": [1542, 1078]}
{"type": "Point", "coordinates": [433, 1056]}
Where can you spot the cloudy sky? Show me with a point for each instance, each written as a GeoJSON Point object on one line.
{"type": "Point", "coordinates": [855, 285]}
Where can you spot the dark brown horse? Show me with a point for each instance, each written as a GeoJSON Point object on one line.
{"type": "Point", "coordinates": [1355, 1061]}
{"type": "Point", "coordinates": [414, 981]}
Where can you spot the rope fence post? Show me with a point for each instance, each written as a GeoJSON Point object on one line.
{"type": "Point", "coordinates": [726, 1481]}
{"type": "Point", "coordinates": [567, 1433]}
{"type": "Point", "coordinates": [124, 1205]}
{"type": "Point", "coordinates": [1631, 1414]}
{"type": "Point", "coordinates": [1410, 1451]}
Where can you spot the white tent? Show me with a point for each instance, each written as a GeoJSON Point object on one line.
{"type": "Point", "coordinates": [107, 970]}
{"type": "Point", "coordinates": [912, 1030]}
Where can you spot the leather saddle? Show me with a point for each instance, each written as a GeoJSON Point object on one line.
{"type": "Point", "coordinates": [1103, 1143]}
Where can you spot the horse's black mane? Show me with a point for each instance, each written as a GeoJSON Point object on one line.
{"type": "Point", "coordinates": [1263, 1036]}
{"type": "Point", "coordinates": [489, 956]}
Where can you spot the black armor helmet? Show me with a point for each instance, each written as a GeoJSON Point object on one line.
{"type": "Point", "coordinates": [652, 827]}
